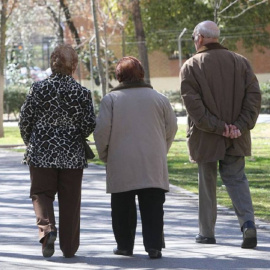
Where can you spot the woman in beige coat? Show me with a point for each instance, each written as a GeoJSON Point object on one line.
{"type": "Point", "coordinates": [135, 129]}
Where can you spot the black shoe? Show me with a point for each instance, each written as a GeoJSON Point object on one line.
{"type": "Point", "coordinates": [48, 244]}
{"type": "Point", "coordinates": [68, 255]}
{"type": "Point", "coordinates": [154, 253]}
{"type": "Point", "coordinates": [123, 252]}
{"type": "Point", "coordinates": [205, 240]}
{"type": "Point", "coordinates": [249, 235]}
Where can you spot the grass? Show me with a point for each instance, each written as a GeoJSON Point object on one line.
{"type": "Point", "coordinates": [12, 136]}
{"type": "Point", "coordinates": [185, 174]}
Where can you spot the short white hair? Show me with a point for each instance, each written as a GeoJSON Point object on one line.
{"type": "Point", "coordinates": [207, 29]}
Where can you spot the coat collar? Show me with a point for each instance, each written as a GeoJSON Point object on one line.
{"type": "Point", "coordinates": [128, 84]}
{"type": "Point", "coordinates": [211, 46]}
{"type": "Point", "coordinates": [59, 76]}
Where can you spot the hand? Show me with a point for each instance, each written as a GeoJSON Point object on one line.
{"type": "Point", "coordinates": [226, 133]}
{"type": "Point", "coordinates": [231, 131]}
{"type": "Point", "coordinates": [234, 132]}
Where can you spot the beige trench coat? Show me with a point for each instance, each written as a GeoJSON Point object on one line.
{"type": "Point", "coordinates": [135, 128]}
{"type": "Point", "coordinates": [218, 87]}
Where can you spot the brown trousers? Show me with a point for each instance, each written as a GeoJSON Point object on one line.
{"type": "Point", "coordinates": [45, 183]}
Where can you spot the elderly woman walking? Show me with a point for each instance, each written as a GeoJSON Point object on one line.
{"type": "Point", "coordinates": [55, 119]}
{"type": "Point", "coordinates": [135, 129]}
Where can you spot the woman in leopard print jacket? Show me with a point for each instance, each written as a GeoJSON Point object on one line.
{"type": "Point", "coordinates": [54, 120]}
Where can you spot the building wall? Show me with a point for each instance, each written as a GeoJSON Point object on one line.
{"type": "Point", "coordinates": [164, 72]}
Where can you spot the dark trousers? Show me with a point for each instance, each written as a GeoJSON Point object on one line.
{"type": "Point", "coordinates": [124, 218]}
{"type": "Point", "coordinates": [45, 183]}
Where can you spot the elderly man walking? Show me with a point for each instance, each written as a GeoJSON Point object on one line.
{"type": "Point", "coordinates": [222, 98]}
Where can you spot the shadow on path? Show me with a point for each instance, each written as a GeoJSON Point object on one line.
{"type": "Point", "coordinates": [20, 249]}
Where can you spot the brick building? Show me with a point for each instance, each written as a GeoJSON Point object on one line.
{"type": "Point", "coordinates": [164, 70]}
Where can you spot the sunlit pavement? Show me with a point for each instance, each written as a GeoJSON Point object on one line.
{"type": "Point", "coordinates": [20, 249]}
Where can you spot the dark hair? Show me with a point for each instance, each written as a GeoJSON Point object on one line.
{"type": "Point", "coordinates": [64, 59]}
{"type": "Point", "coordinates": [129, 68]}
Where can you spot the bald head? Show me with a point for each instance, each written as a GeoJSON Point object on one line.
{"type": "Point", "coordinates": [204, 33]}
{"type": "Point", "coordinates": [208, 29]}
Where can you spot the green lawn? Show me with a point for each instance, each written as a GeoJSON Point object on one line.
{"type": "Point", "coordinates": [12, 136]}
{"type": "Point", "coordinates": [184, 174]}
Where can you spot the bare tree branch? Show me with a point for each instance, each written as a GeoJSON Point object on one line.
{"type": "Point", "coordinates": [220, 12]}
{"type": "Point", "coordinates": [56, 23]}
{"type": "Point", "coordinates": [219, 4]}
{"type": "Point", "coordinates": [244, 10]}
{"type": "Point", "coordinates": [12, 8]}
{"type": "Point", "coordinates": [114, 19]}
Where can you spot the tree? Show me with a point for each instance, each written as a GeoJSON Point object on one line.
{"type": "Point", "coordinates": [140, 37]}
{"type": "Point", "coordinates": [106, 21]}
{"type": "Point", "coordinates": [243, 7]}
{"type": "Point", "coordinates": [71, 9]}
{"type": "Point", "coordinates": [252, 17]}
{"type": "Point", "coordinates": [57, 21]}
{"type": "Point", "coordinates": [163, 21]}
{"type": "Point", "coordinates": [7, 7]}
{"type": "Point", "coordinates": [70, 23]}
{"type": "Point", "coordinates": [100, 67]}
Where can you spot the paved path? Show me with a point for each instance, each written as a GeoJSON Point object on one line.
{"type": "Point", "coordinates": [19, 248]}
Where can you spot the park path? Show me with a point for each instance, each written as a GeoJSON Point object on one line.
{"type": "Point", "coordinates": [20, 250]}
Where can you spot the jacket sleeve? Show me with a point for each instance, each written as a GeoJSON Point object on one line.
{"type": "Point", "coordinates": [251, 103]}
{"type": "Point", "coordinates": [103, 128]}
{"type": "Point", "coordinates": [197, 111]}
{"type": "Point", "coordinates": [89, 119]}
{"type": "Point", "coordinates": [170, 124]}
{"type": "Point", "coordinates": [26, 118]}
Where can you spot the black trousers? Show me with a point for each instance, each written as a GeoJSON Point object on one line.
{"type": "Point", "coordinates": [124, 218]}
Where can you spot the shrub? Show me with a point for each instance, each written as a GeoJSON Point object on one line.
{"type": "Point", "coordinates": [96, 100]}
{"type": "Point", "coordinates": [176, 102]}
{"type": "Point", "coordinates": [265, 89]}
{"type": "Point", "coordinates": [14, 97]}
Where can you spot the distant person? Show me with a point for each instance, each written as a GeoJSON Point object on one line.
{"type": "Point", "coordinates": [135, 129]}
{"type": "Point", "coordinates": [222, 98]}
{"type": "Point", "coordinates": [54, 120]}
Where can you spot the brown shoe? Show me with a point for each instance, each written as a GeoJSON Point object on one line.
{"type": "Point", "coordinates": [48, 244]}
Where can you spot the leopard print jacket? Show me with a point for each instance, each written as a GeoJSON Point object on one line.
{"type": "Point", "coordinates": [54, 119]}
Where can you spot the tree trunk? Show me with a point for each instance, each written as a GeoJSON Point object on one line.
{"type": "Point", "coordinates": [2, 62]}
{"type": "Point", "coordinates": [60, 33]}
{"type": "Point", "coordinates": [100, 67]}
{"type": "Point", "coordinates": [106, 56]}
{"type": "Point", "coordinates": [71, 26]}
{"type": "Point", "coordinates": [140, 37]}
